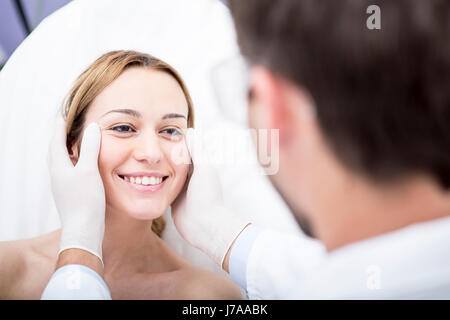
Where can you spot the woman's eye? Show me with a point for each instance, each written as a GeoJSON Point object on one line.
{"type": "Point", "coordinates": [123, 128]}
{"type": "Point", "coordinates": [172, 131]}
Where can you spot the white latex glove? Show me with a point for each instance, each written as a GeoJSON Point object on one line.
{"type": "Point", "coordinates": [199, 213]}
{"type": "Point", "coordinates": [78, 190]}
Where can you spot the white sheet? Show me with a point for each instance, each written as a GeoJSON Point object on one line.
{"type": "Point", "coordinates": [193, 36]}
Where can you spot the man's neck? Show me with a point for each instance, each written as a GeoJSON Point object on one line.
{"type": "Point", "coordinates": [360, 210]}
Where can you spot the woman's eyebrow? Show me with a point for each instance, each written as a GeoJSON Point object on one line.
{"type": "Point", "coordinates": [173, 115]}
{"type": "Point", "coordinates": [130, 112]}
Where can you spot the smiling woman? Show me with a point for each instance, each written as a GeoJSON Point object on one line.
{"type": "Point", "coordinates": [143, 110]}
{"type": "Point", "coordinates": [118, 85]}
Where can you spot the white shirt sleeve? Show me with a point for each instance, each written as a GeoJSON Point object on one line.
{"type": "Point", "coordinates": [239, 255]}
{"type": "Point", "coordinates": [270, 265]}
{"type": "Point", "coordinates": [76, 282]}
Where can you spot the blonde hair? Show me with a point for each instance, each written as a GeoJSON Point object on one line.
{"type": "Point", "coordinates": [96, 78]}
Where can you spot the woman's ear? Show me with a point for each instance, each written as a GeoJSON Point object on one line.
{"type": "Point", "coordinates": [74, 153]}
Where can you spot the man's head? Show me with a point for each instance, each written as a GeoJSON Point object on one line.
{"type": "Point", "coordinates": [347, 99]}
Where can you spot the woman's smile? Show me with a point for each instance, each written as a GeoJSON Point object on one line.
{"type": "Point", "coordinates": [146, 182]}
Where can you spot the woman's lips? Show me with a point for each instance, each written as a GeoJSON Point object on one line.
{"type": "Point", "coordinates": [144, 188]}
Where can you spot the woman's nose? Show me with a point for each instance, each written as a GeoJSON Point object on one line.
{"type": "Point", "coordinates": [148, 149]}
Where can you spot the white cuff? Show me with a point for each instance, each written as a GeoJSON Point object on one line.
{"type": "Point", "coordinates": [76, 282]}
{"type": "Point", "coordinates": [226, 228]}
{"type": "Point", "coordinates": [240, 253]}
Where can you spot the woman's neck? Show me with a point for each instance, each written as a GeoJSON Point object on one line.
{"type": "Point", "coordinates": [129, 245]}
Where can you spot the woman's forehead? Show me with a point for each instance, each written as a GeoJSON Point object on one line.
{"type": "Point", "coordinates": [149, 92]}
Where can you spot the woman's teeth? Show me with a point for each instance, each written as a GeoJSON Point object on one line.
{"type": "Point", "coordinates": [144, 180]}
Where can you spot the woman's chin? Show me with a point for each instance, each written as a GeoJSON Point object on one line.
{"type": "Point", "coordinates": [141, 209]}
{"type": "Point", "coordinates": [146, 213]}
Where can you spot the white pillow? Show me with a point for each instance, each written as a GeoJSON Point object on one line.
{"type": "Point", "coordinates": [193, 36]}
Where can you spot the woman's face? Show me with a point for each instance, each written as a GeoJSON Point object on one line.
{"type": "Point", "coordinates": [143, 117]}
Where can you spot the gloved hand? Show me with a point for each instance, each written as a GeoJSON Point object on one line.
{"type": "Point", "coordinates": [78, 190]}
{"type": "Point", "coordinates": [199, 213]}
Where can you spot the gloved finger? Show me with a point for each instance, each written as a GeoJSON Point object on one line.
{"type": "Point", "coordinates": [57, 155]}
{"type": "Point", "coordinates": [179, 154]}
{"type": "Point", "coordinates": [90, 147]}
{"type": "Point", "coordinates": [194, 144]}
{"type": "Point", "coordinates": [183, 191]}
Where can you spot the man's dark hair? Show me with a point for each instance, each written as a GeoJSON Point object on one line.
{"type": "Point", "coordinates": [382, 96]}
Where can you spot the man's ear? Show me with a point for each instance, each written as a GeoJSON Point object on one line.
{"type": "Point", "coordinates": [281, 103]}
{"type": "Point", "coordinates": [269, 104]}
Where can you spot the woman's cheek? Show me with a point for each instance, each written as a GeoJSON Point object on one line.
{"type": "Point", "coordinates": [181, 176]}
{"type": "Point", "coordinates": [182, 171]}
{"type": "Point", "coordinates": [179, 159]}
{"type": "Point", "coordinates": [109, 154]}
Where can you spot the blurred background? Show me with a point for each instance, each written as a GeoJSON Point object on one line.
{"type": "Point", "coordinates": [19, 17]}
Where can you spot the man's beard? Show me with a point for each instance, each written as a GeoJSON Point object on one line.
{"type": "Point", "coordinates": [301, 219]}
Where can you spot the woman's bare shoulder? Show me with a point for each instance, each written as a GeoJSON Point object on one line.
{"type": "Point", "coordinates": [192, 282]}
{"type": "Point", "coordinates": [206, 285]}
{"type": "Point", "coordinates": [45, 246]}
{"type": "Point", "coordinates": [24, 263]}
{"type": "Point", "coordinates": [12, 266]}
